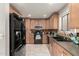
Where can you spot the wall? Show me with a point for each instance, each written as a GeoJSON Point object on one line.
{"type": "Point", "coordinates": [4, 29]}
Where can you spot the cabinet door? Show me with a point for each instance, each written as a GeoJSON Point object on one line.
{"type": "Point", "coordinates": [50, 47]}
{"type": "Point", "coordinates": [44, 40]}
{"type": "Point", "coordinates": [55, 22]}
{"type": "Point", "coordinates": [51, 22]}
{"type": "Point", "coordinates": [42, 23]}
{"type": "Point", "coordinates": [74, 15]}
{"type": "Point", "coordinates": [54, 49]}
{"type": "Point", "coordinates": [57, 50]}
{"type": "Point", "coordinates": [47, 24]}
{"type": "Point", "coordinates": [28, 32]}
{"type": "Point", "coordinates": [33, 23]}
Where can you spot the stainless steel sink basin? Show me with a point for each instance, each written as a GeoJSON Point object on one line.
{"type": "Point", "coordinates": [61, 38]}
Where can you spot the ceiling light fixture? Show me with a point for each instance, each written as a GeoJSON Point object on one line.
{"type": "Point", "coordinates": [44, 15]}
{"type": "Point", "coordinates": [29, 15]}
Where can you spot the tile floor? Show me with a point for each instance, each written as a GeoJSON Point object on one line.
{"type": "Point", "coordinates": [33, 50]}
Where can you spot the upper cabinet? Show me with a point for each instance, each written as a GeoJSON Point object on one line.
{"type": "Point", "coordinates": [47, 24]}
{"type": "Point", "coordinates": [74, 15]}
{"type": "Point", "coordinates": [54, 21]}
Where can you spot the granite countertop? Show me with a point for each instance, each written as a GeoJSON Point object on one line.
{"type": "Point", "coordinates": [69, 46]}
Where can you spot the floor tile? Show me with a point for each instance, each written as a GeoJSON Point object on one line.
{"type": "Point", "coordinates": [33, 50]}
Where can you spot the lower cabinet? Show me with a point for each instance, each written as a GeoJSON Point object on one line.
{"type": "Point", "coordinates": [50, 48]}
{"type": "Point", "coordinates": [45, 40]}
{"type": "Point", "coordinates": [56, 50]}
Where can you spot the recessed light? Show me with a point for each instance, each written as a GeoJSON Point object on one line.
{"type": "Point", "coordinates": [29, 15]}
{"type": "Point", "coordinates": [44, 15]}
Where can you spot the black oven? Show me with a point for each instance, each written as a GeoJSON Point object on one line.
{"type": "Point", "coordinates": [38, 35]}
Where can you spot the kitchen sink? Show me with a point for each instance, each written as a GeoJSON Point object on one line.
{"type": "Point", "coordinates": [61, 38]}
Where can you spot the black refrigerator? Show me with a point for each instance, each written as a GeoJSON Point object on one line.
{"type": "Point", "coordinates": [17, 33]}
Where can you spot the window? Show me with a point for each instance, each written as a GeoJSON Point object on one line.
{"type": "Point", "coordinates": [64, 23]}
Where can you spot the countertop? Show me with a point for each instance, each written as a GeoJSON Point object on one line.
{"type": "Point", "coordinates": [69, 46]}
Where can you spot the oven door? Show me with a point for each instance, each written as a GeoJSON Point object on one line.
{"type": "Point", "coordinates": [38, 38]}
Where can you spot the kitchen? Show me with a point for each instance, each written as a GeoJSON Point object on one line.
{"type": "Point", "coordinates": [44, 29]}
{"type": "Point", "coordinates": [60, 23]}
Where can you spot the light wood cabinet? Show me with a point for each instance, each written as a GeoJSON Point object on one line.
{"type": "Point", "coordinates": [57, 50]}
{"type": "Point", "coordinates": [44, 41]}
{"type": "Point", "coordinates": [42, 23]}
{"type": "Point", "coordinates": [54, 21]}
{"type": "Point", "coordinates": [33, 23]}
{"type": "Point", "coordinates": [74, 15]}
{"type": "Point", "coordinates": [29, 35]}
{"type": "Point", "coordinates": [47, 24]}
{"type": "Point", "coordinates": [50, 47]}
{"type": "Point", "coordinates": [51, 23]}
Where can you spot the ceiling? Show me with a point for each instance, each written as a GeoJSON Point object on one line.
{"type": "Point", "coordinates": [38, 10]}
